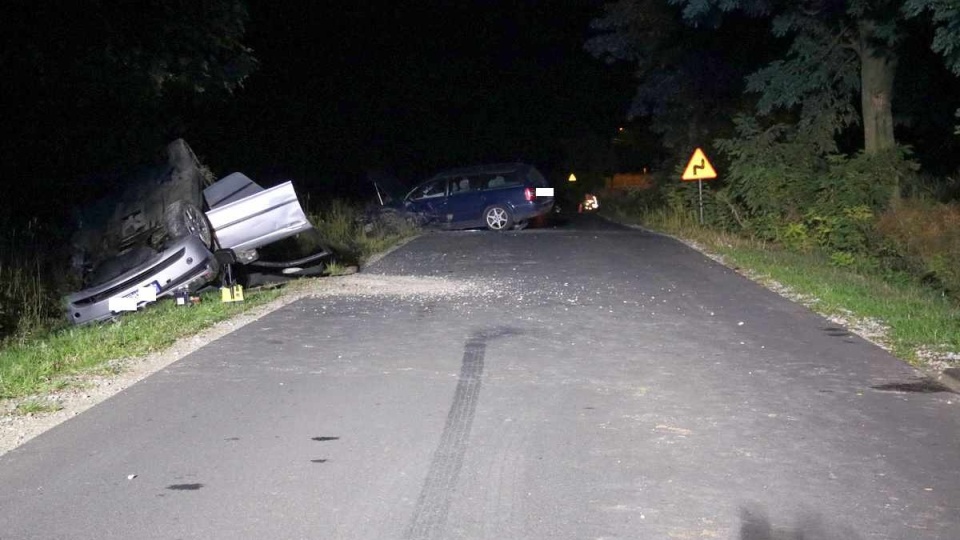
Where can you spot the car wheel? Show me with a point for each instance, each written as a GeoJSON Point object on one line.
{"type": "Point", "coordinates": [497, 218]}
{"type": "Point", "coordinates": [184, 219]}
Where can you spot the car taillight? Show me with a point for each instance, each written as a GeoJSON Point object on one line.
{"type": "Point", "coordinates": [528, 193]}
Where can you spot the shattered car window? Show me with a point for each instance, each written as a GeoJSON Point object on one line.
{"type": "Point", "coordinates": [430, 190]}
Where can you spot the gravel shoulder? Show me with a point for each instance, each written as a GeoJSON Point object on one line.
{"type": "Point", "coordinates": [91, 390]}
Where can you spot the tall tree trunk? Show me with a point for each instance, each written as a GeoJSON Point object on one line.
{"type": "Point", "coordinates": [878, 66]}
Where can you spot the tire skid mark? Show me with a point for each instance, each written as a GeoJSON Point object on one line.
{"type": "Point", "coordinates": [433, 504]}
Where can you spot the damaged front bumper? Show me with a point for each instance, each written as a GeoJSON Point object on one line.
{"type": "Point", "coordinates": [186, 264]}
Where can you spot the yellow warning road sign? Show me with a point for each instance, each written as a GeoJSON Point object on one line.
{"type": "Point", "coordinates": [699, 167]}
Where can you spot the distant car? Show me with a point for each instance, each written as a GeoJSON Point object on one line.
{"type": "Point", "coordinates": [498, 197]}
{"type": "Point", "coordinates": [153, 239]}
{"type": "Point", "coordinates": [590, 203]}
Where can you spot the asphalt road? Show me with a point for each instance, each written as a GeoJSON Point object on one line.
{"type": "Point", "coordinates": [603, 383]}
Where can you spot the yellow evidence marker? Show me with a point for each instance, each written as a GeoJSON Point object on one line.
{"type": "Point", "coordinates": [231, 294]}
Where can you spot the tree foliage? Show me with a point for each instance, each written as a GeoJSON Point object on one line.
{"type": "Point", "coordinates": [793, 172]}
{"type": "Point", "coordinates": [689, 93]}
{"type": "Point", "coordinates": [94, 84]}
{"type": "Point", "coordinates": [779, 187]}
{"type": "Point", "coordinates": [946, 39]}
{"type": "Point", "coordinates": [946, 19]}
{"type": "Point", "coordinates": [837, 51]}
{"type": "Point", "coordinates": [155, 44]}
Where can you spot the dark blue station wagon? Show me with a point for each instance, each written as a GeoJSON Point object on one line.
{"type": "Point", "coordinates": [498, 197]}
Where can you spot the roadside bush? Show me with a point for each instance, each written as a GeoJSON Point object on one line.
{"type": "Point", "coordinates": [337, 223]}
{"type": "Point", "coordinates": [781, 177]}
{"type": "Point", "coordinates": [354, 234]}
{"type": "Point", "coordinates": [795, 236]}
{"type": "Point", "coordinates": [633, 200]}
{"type": "Point", "coordinates": [938, 188]}
{"type": "Point", "coordinates": [847, 229]}
{"type": "Point", "coordinates": [927, 235]}
{"type": "Point", "coordinates": [864, 180]}
{"type": "Point", "coordinates": [29, 292]}
{"type": "Point", "coordinates": [784, 185]}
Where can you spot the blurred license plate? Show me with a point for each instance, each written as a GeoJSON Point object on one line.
{"type": "Point", "coordinates": [133, 299]}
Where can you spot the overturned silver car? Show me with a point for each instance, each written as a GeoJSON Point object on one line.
{"type": "Point", "coordinates": [171, 230]}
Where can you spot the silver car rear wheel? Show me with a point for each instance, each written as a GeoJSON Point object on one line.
{"type": "Point", "coordinates": [497, 218]}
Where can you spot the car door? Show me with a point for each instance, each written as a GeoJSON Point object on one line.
{"type": "Point", "coordinates": [245, 216]}
{"type": "Point", "coordinates": [465, 201]}
{"type": "Point", "coordinates": [429, 199]}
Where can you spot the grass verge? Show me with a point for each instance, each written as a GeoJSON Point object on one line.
{"type": "Point", "coordinates": [45, 364]}
{"type": "Point", "coordinates": [337, 269]}
{"type": "Point", "coordinates": [45, 355]}
{"type": "Point", "coordinates": [356, 237]}
{"type": "Point", "coordinates": [28, 287]}
{"type": "Point", "coordinates": [916, 323]}
{"type": "Point", "coordinates": [37, 406]}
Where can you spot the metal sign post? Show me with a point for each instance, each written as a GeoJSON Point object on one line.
{"type": "Point", "coordinates": [700, 189]}
{"type": "Point", "coordinates": [699, 169]}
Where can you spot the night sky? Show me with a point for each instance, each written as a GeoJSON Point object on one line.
{"type": "Point", "coordinates": [409, 89]}
{"type": "Point", "coordinates": [340, 91]}
{"type": "Point", "coordinates": [347, 89]}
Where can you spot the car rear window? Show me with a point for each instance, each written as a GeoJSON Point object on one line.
{"type": "Point", "coordinates": [536, 179]}
{"type": "Point", "coordinates": [501, 180]}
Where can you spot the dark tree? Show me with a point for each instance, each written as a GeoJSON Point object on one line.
{"type": "Point", "coordinates": [691, 80]}
{"type": "Point", "coordinates": [93, 84]}
{"type": "Point", "coordinates": [838, 50]}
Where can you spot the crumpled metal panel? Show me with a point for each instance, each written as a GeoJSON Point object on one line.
{"type": "Point", "coordinates": [230, 188]}
{"type": "Point", "coordinates": [187, 263]}
{"type": "Point", "coordinates": [259, 219]}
